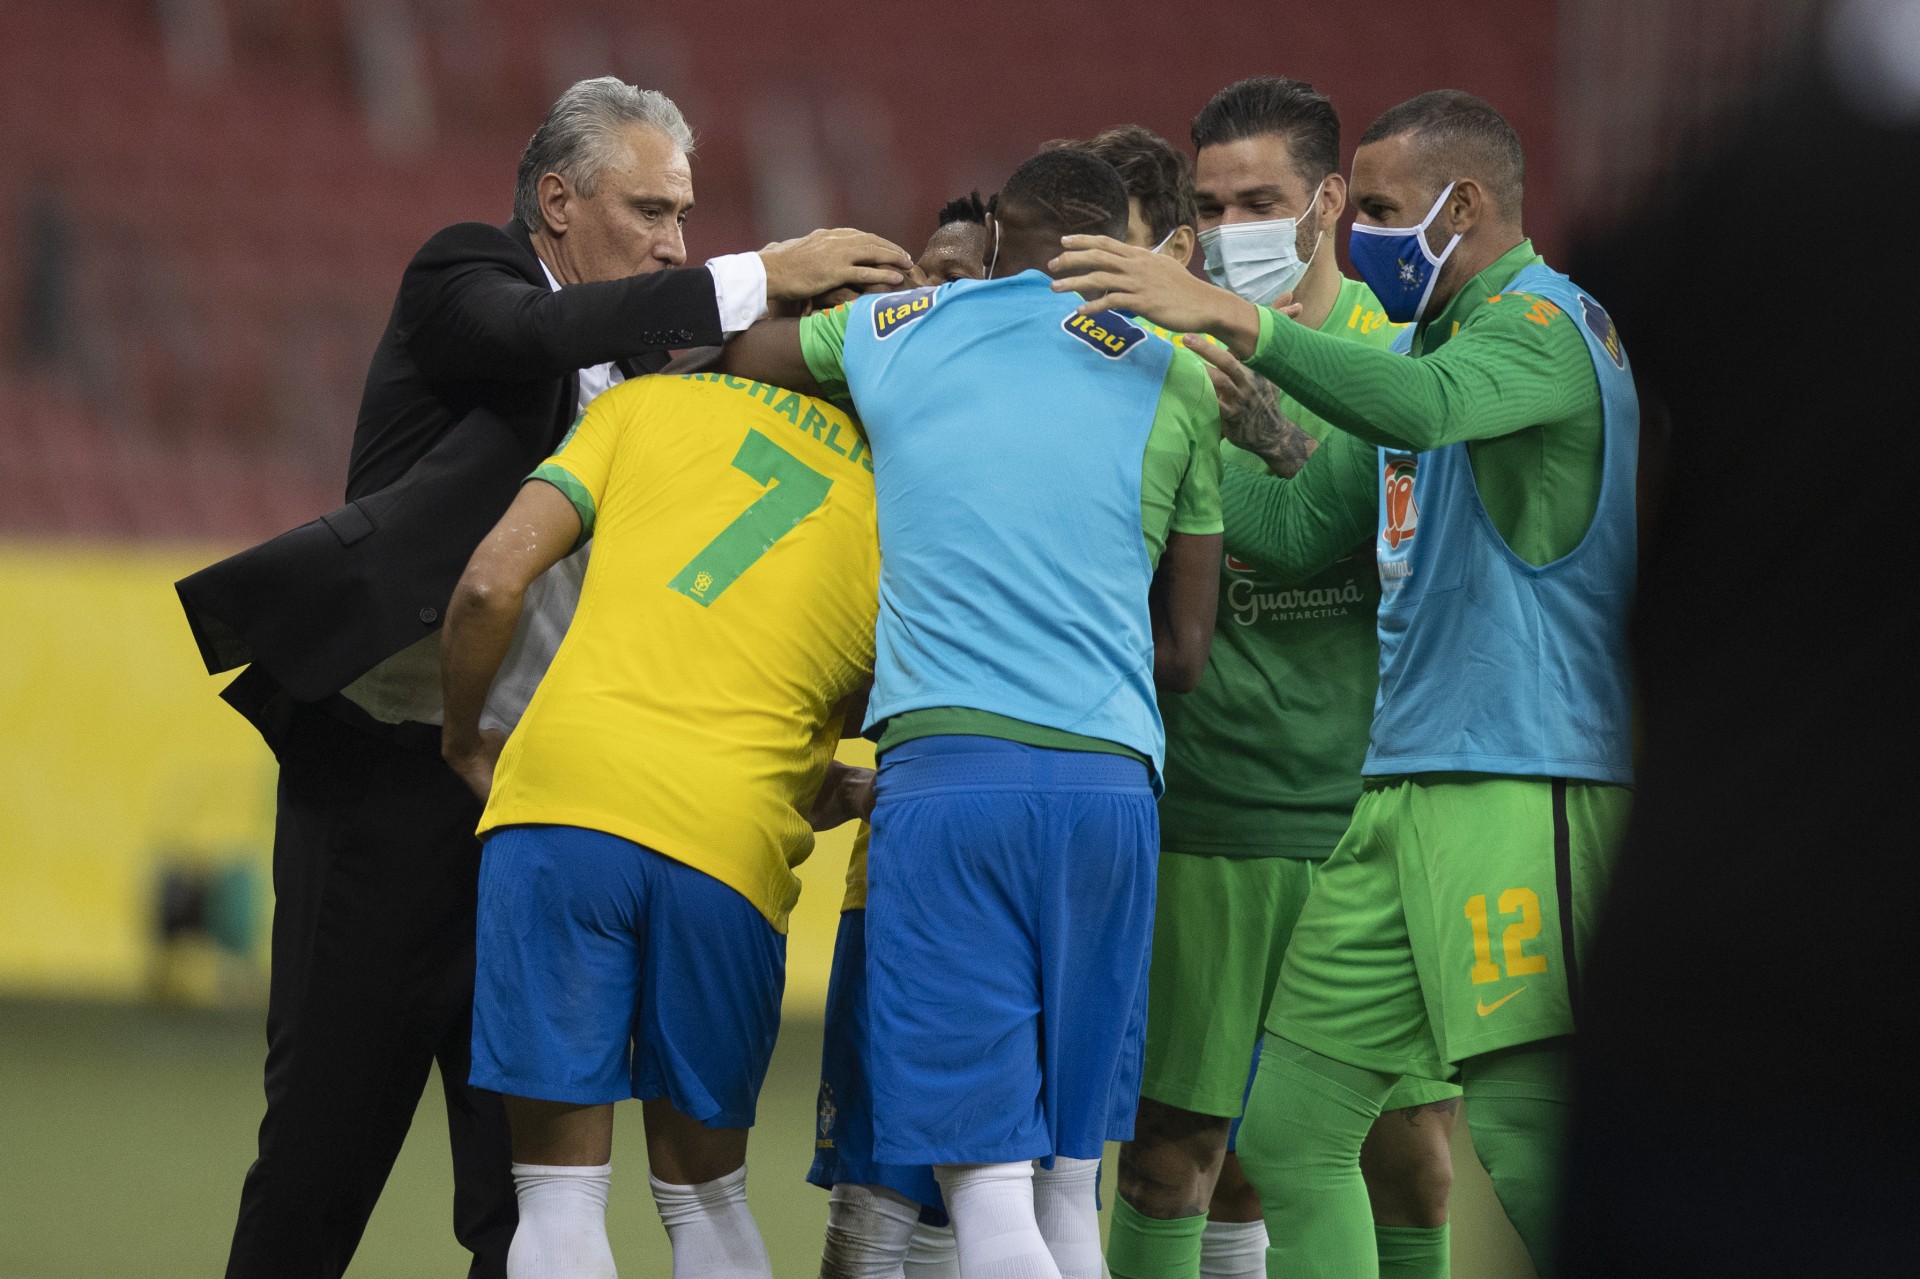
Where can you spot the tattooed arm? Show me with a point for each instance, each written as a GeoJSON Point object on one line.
{"type": "Point", "coordinates": [1250, 415]}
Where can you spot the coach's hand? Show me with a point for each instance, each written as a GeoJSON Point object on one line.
{"type": "Point", "coordinates": [814, 264]}
{"type": "Point", "coordinates": [1112, 275]}
{"type": "Point", "coordinates": [473, 759]}
{"type": "Point", "coordinates": [846, 795]}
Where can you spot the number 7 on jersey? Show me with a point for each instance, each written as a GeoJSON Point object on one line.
{"type": "Point", "coordinates": [797, 491]}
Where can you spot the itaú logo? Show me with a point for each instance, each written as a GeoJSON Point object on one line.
{"type": "Point", "coordinates": [1402, 514]}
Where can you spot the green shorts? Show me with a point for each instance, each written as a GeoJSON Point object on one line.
{"type": "Point", "coordinates": [1220, 929]}
{"type": "Point", "coordinates": [1449, 921]}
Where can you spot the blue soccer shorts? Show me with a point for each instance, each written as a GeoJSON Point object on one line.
{"type": "Point", "coordinates": [1009, 922]}
{"type": "Point", "coordinates": [605, 970]}
{"type": "Point", "coordinates": [843, 1134]}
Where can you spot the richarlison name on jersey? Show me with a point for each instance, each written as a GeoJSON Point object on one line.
{"type": "Point", "coordinates": [794, 407]}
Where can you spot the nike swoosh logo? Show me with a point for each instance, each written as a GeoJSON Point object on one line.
{"type": "Point", "coordinates": [1484, 1008]}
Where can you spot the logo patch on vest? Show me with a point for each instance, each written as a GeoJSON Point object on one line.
{"type": "Point", "coordinates": [1402, 514]}
{"type": "Point", "coordinates": [1108, 332]}
{"type": "Point", "coordinates": [1601, 323]}
{"type": "Point", "coordinates": [896, 311]}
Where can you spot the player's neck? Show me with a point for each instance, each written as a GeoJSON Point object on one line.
{"type": "Point", "coordinates": [1023, 248]}
{"type": "Point", "coordinates": [1320, 286]}
{"type": "Point", "coordinates": [1474, 255]}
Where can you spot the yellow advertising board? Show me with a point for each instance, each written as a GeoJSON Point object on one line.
{"type": "Point", "coordinates": [125, 783]}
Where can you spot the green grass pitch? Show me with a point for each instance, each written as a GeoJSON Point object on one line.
{"type": "Point", "coordinates": [124, 1132]}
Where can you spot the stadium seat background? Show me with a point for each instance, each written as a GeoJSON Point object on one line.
{"type": "Point", "coordinates": [234, 222]}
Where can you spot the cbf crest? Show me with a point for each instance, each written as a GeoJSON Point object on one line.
{"type": "Point", "coordinates": [1601, 324]}
{"type": "Point", "coordinates": [896, 311]}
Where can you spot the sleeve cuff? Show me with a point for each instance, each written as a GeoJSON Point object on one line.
{"type": "Point", "coordinates": [740, 289]}
{"type": "Point", "coordinates": [1268, 319]}
{"type": "Point", "coordinates": [576, 493]}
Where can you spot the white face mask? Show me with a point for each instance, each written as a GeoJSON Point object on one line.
{"type": "Point", "coordinates": [1259, 261]}
{"type": "Point", "coordinates": [1164, 241]}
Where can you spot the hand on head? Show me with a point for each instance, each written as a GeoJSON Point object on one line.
{"type": "Point", "coordinates": [816, 264]}
{"type": "Point", "coordinates": [1116, 276]}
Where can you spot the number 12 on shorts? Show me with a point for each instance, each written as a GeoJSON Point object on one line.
{"type": "Point", "coordinates": [1523, 902]}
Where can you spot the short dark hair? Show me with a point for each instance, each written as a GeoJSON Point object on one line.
{"type": "Point", "coordinates": [1460, 136]}
{"type": "Point", "coordinates": [1152, 170]}
{"type": "Point", "coordinates": [1067, 190]}
{"type": "Point", "coordinates": [1279, 104]}
{"type": "Point", "coordinates": [962, 208]}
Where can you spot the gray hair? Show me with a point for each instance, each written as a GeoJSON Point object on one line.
{"type": "Point", "coordinates": [575, 138]}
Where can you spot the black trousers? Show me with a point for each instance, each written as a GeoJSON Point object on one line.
{"type": "Point", "coordinates": [375, 871]}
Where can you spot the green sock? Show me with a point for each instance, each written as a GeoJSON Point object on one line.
{"type": "Point", "coordinates": [1300, 1145]}
{"type": "Point", "coordinates": [1517, 1107]}
{"type": "Point", "coordinates": [1412, 1252]}
{"type": "Point", "coordinates": [1143, 1247]}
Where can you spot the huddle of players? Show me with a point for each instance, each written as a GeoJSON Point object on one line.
{"type": "Point", "coordinates": [1046, 478]}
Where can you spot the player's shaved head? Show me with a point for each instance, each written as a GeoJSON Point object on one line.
{"type": "Point", "coordinates": [1456, 135]}
{"type": "Point", "coordinates": [1065, 191]}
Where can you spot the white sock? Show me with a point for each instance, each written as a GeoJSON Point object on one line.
{"type": "Point", "coordinates": [933, 1254]}
{"type": "Point", "coordinates": [1233, 1250]}
{"type": "Point", "coordinates": [1066, 1204]}
{"type": "Point", "coordinates": [869, 1229]}
{"type": "Point", "coordinates": [711, 1230]}
{"type": "Point", "coordinates": [563, 1223]}
{"type": "Point", "coordinates": [993, 1221]}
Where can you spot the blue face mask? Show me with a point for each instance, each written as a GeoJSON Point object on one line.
{"type": "Point", "coordinates": [1397, 264]}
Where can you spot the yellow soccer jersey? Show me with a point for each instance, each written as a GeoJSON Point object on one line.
{"type": "Point", "coordinates": [855, 898]}
{"type": "Point", "coordinates": [728, 609]}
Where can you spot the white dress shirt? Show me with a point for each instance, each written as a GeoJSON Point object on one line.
{"type": "Point", "coordinates": [407, 685]}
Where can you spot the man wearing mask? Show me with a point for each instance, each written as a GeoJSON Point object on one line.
{"type": "Point", "coordinates": [1263, 758]}
{"type": "Point", "coordinates": [499, 337]}
{"type": "Point", "coordinates": [1497, 470]}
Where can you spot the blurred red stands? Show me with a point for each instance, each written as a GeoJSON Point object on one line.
{"type": "Point", "coordinates": [216, 264]}
{"type": "Point", "coordinates": [231, 211]}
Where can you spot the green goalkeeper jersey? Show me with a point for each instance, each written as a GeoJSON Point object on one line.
{"type": "Point", "coordinates": [1263, 758]}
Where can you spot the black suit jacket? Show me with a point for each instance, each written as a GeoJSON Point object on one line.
{"type": "Point", "coordinates": [473, 384]}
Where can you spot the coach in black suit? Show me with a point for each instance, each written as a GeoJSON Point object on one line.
{"type": "Point", "coordinates": [497, 339]}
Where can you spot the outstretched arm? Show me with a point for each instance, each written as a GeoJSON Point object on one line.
{"type": "Point", "coordinates": [770, 352]}
{"type": "Point", "coordinates": [537, 531]}
{"type": "Point", "coordinates": [1112, 274]}
{"type": "Point", "coordinates": [1517, 362]}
